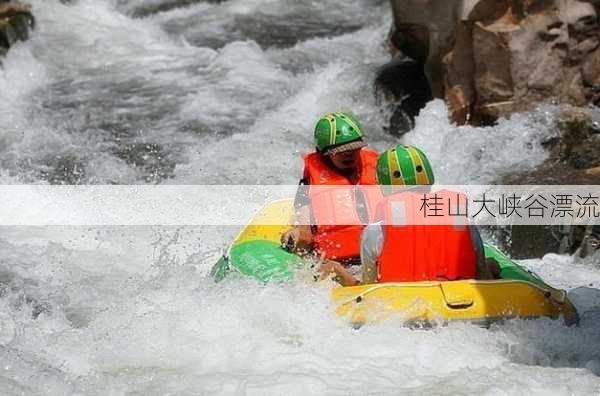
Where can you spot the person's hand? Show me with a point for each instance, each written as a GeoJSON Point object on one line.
{"type": "Point", "coordinates": [342, 275]}
{"type": "Point", "coordinates": [327, 268]}
{"type": "Point", "coordinates": [290, 238]}
{"type": "Point", "coordinates": [297, 239]}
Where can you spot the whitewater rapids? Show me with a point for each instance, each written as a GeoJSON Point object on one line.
{"type": "Point", "coordinates": [228, 93]}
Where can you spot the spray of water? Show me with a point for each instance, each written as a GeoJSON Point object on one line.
{"type": "Point", "coordinates": [115, 92]}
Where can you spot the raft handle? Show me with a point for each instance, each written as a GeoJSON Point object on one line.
{"type": "Point", "coordinates": [461, 304]}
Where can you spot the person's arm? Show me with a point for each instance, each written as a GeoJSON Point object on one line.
{"type": "Point", "coordinates": [300, 236]}
{"type": "Point", "coordinates": [371, 244]}
{"type": "Point", "coordinates": [301, 199]}
{"type": "Point", "coordinates": [370, 249]}
{"type": "Point", "coordinates": [344, 277]}
{"type": "Point", "coordinates": [302, 211]}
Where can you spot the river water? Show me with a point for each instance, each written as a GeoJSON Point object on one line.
{"type": "Point", "coordinates": [136, 91]}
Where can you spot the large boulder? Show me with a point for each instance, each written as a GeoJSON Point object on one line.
{"type": "Point", "coordinates": [16, 20]}
{"type": "Point", "coordinates": [405, 89]}
{"type": "Point", "coordinates": [490, 58]}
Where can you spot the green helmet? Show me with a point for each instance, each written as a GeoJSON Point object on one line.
{"type": "Point", "coordinates": [404, 166]}
{"type": "Point", "coordinates": [334, 129]}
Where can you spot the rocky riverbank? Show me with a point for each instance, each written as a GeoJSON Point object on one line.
{"type": "Point", "coordinates": [489, 59]}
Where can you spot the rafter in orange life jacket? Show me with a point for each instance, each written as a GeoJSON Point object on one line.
{"type": "Point", "coordinates": [415, 251]}
{"type": "Point", "coordinates": [335, 210]}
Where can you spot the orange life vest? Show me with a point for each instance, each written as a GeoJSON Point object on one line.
{"type": "Point", "coordinates": [441, 250]}
{"type": "Point", "coordinates": [334, 210]}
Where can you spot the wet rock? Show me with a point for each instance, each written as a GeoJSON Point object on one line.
{"type": "Point", "coordinates": [404, 86]}
{"type": "Point", "coordinates": [593, 171]}
{"type": "Point", "coordinates": [527, 241]}
{"type": "Point", "coordinates": [574, 152]}
{"type": "Point", "coordinates": [65, 169]}
{"type": "Point", "coordinates": [574, 159]}
{"type": "Point", "coordinates": [260, 27]}
{"type": "Point", "coordinates": [16, 21]}
{"type": "Point", "coordinates": [146, 10]}
{"type": "Point", "coordinates": [149, 158]}
{"type": "Point", "coordinates": [590, 71]}
{"type": "Point", "coordinates": [491, 58]}
{"type": "Point", "coordinates": [535, 241]}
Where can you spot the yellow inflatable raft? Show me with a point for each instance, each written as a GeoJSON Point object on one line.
{"type": "Point", "coordinates": [520, 293]}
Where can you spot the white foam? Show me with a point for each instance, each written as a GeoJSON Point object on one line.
{"type": "Point", "coordinates": [130, 310]}
{"type": "Point", "coordinates": [480, 155]}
